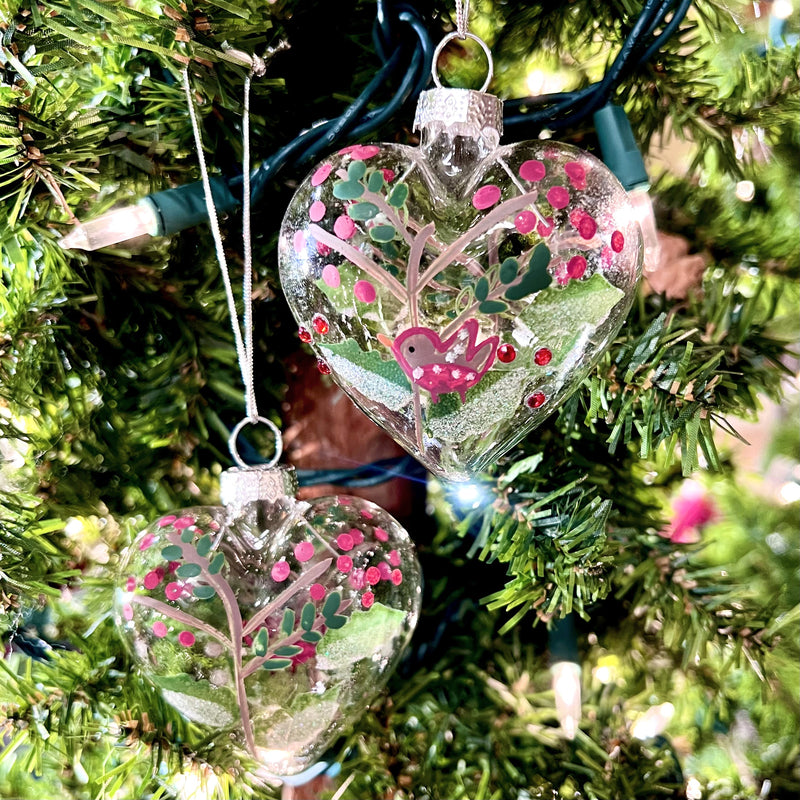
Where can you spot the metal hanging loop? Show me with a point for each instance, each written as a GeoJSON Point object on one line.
{"type": "Point", "coordinates": [466, 35]}
{"type": "Point", "coordinates": [235, 435]}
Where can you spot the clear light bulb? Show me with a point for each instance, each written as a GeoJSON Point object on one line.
{"type": "Point", "coordinates": [567, 689]}
{"type": "Point", "coordinates": [117, 225]}
{"type": "Point", "coordinates": [653, 722]}
{"type": "Point", "coordinates": [643, 213]}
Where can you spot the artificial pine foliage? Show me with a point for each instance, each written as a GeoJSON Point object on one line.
{"type": "Point", "coordinates": [119, 385]}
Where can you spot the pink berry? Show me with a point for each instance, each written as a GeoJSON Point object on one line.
{"type": "Point", "coordinates": [532, 170]}
{"type": "Point", "coordinates": [146, 541]}
{"type": "Point", "coordinates": [486, 196]}
{"type": "Point", "coordinates": [364, 292]}
{"type": "Point", "coordinates": [299, 242]}
{"type": "Point", "coordinates": [344, 563]}
{"type": "Point", "coordinates": [317, 211]}
{"type": "Point", "coordinates": [372, 575]}
{"type": "Point", "coordinates": [617, 241]}
{"type": "Point", "coordinates": [159, 629]}
{"type": "Point", "coordinates": [361, 152]}
{"type": "Point", "coordinates": [345, 541]}
{"type": "Point", "coordinates": [186, 638]}
{"type": "Point", "coordinates": [558, 197]}
{"type": "Point", "coordinates": [304, 551]}
{"type": "Point", "coordinates": [317, 591]}
{"type": "Point", "coordinates": [344, 227]}
{"type": "Point", "coordinates": [304, 334]}
{"type": "Point", "coordinates": [151, 580]}
{"type": "Point", "coordinates": [321, 175]}
{"type": "Point", "coordinates": [358, 537]}
{"type": "Point", "coordinates": [331, 276]}
{"type": "Point", "coordinates": [183, 522]}
{"type": "Point", "coordinates": [587, 227]}
{"type": "Point", "coordinates": [127, 611]}
{"type": "Point", "coordinates": [394, 558]}
{"type": "Point", "coordinates": [385, 570]}
{"type": "Point", "coordinates": [576, 266]}
{"type": "Point", "coordinates": [397, 577]}
{"type": "Point", "coordinates": [280, 571]}
{"type": "Point", "coordinates": [164, 521]}
{"type": "Point", "coordinates": [173, 590]}
{"type": "Point", "coordinates": [130, 584]}
{"type": "Point", "coordinates": [381, 535]}
{"type": "Point", "coordinates": [367, 599]}
{"type": "Point", "coordinates": [576, 173]}
{"type": "Point", "coordinates": [323, 367]}
{"type": "Point", "coordinates": [525, 221]}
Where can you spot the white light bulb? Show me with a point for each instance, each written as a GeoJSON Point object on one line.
{"type": "Point", "coordinates": [567, 691]}
{"type": "Point", "coordinates": [118, 225]}
{"type": "Point", "coordinates": [782, 9]}
{"type": "Point", "coordinates": [643, 214]}
{"type": "Point", "coordinates": [653, 722]}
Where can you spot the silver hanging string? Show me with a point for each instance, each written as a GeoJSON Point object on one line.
{"type": "Point", "coordinates": [462, 18]}
{"type": "Point", "coordinates": [243, 341]}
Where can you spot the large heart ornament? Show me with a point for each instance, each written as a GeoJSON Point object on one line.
{"type": "Point", "coordinates": [277, 620]}
{"type": "Point", "coordinates": [460, 291]}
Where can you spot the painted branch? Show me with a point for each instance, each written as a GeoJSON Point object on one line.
{"type": "Point", "coordinates": [357, 258]}
{"type": "Point", "coordinates": [181, 616]}
{"type": "Point", "coordinates": [412, 275]}
{"type": "Point", "coordinates": [499, 214]}
{"type": "Point", "coordinates": [304, 580]}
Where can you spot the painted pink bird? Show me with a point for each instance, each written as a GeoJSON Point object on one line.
{"type": "Point", "coordinates": [453, 365]}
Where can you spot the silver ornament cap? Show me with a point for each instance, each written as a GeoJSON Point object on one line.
{"type": "Point", "coordinates": [238, 487]}
{"type": "Point", "coordinates": [460, 112]}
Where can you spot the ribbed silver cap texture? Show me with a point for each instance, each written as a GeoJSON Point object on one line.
{"type": "Point", "coordinates": [460, 112]}
{"type": "Point", "coordinates": [238, 487]}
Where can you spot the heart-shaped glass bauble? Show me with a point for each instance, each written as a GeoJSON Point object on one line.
{"type": "Point", "coordinates": [459, 292]}
{"type": "Point", "coordinates": [279, 620]}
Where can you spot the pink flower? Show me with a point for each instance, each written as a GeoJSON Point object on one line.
{"type": "Point", "coordinates": [692, 510]}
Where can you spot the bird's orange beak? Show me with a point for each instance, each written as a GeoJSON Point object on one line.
{"type": "Point", "coordinates": [385, 340]}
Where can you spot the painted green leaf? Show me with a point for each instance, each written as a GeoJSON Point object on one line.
{"type": "Point", "coordinates": [289, 650]}
{"type": "Point", "coordinates": [307, 616]}
{"type": "Point", "coordinates": [398, 195]}
{"type": "Point", "coordinates": [311, 636]}
{"type": "Point", "coordinates": [368, 634]}
{"type": "Point", "coordinates": [188, 571]}
{"type": "Point", "coordinates": [492, 307]}
{"type": "Point", "coordinates": [336, 621]}
{"type": "Point", "coordinates": [389, 249]}
{"type": "Point", "coordinates": [172, 552]}
{"type": "Point", "coordinates": [382, 233]}
{"type": "Point", "coordinates": [536, 278]}
{"type": "Point", "coordinates": [204, 545]}
{"type": "Point", "coordinates": [375, 182]}
{"type": "Point", "coordinates": [362, 211]}
{"type": "Point", "coordinates": [347, 190]}
{"type": "Point", "coordinates": [332, 603]}
{"type": "Point", "coordinates": [204, 592]}
{"type": "Point", "coordinates": [356, 170]}
{"type": "Point", "coordinates": [376, 377]}
{"type": "Point", "coordinates": [287, 624]}
{"type": "Point", "coordinates": [261, 642]}
{"type": "Point", "coordinates": [482, 289]}
{"type": "Point", "coordinates": [276, 664]}
{"type": "Point", "coordinates": [187, 536]}
{"type": "Point", "coordinates": [216, 563]}
{"type": "Point", "coordinates": [508, 270]}
{"type": "Point", "coordinates": [198, 701]}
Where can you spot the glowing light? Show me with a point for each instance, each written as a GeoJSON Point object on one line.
{"type": "Point", "coordinates": [745, 191]}
{"type": "Point", "coordinates": [653, 722]}
{"type": "Point", "coordinates": [469, 495]}
{"type": "Point", "coordinates": [607, 669]}
{"type": "Point", "coordinates": [567, 691]}
{"type": "Point", "coordinates": [694, 791]}
{"type": "Point", "coordinates": [782, 9]}
{"type": "Point", "coordinates": [643, 214]}
{"type": "Point", "coordinates": [789, 493]}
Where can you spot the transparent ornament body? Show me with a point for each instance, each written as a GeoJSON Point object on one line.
{"type": "Point", "coordinates": [459, 292]}
{"type": "Point", "coordinates": [277, 619]}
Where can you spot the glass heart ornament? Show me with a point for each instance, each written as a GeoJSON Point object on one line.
{"type": "Point", "coordinates": [461, 290]}
{"type": "Point", "coordinates": [275, 619]}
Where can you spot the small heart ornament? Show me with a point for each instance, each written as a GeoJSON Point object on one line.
{"type": "Point", "coordinates": [276, 619]}
{"type": "Point", "coordinates": [459, 292]}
